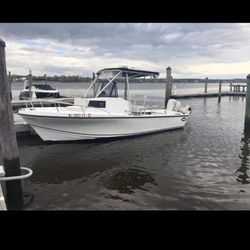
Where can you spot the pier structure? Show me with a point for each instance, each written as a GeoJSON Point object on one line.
{"type": "Point", "coordinates": [238, 87]}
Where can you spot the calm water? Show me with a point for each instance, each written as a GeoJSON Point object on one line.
{"type": "Point", "coordinates": [203, 166]}
{"type": "Point", "coordinates": [138, 89]}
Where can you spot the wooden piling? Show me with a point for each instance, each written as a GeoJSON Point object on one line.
{"type": "Point", "coordinates": [168, 90]}
{"type": "Point", "coordinates": [206, 81]}
{"type": "Point", "coordinates": [30, 83]}
{"type": "Point", "coordinates": [247, 111]}
{"type": "Point", "coordinates": [45, 79]}
{"type": "Point", "coordinates": [231, 86]}
{"type": "Point", "coordinates": [9, 149]}
{"type": "Point", "coordinates": [219, 94]}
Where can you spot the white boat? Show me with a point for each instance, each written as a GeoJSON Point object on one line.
{"type": "Point", "coordinates": [101, 113]}
{"type": "Point", "coordinates": [38, 91]}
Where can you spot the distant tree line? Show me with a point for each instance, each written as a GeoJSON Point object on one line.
{"type": "Point", "coordinates": [186, 80]}
{"type": "Point", "coordinates": [77, 78]}
{"type": "Point", "coordinates": [55, 78]}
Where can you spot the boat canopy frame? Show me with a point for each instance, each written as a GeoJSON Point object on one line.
{"type": "Point", "coordinates": [119, 72]}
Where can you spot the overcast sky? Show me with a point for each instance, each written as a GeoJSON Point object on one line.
{"type": "Point", "coordinates": [190, 49]}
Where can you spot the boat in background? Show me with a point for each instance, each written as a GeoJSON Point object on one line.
{"type": "Point", "coordinates": [102, 113]}
{"type": "Point", "coordinates": [38, 91]}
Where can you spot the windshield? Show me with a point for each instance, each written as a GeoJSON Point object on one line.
{"type": "Point", "coordinates": [109, 91]}
{"type": "Point", "coordinates": [103, 86]}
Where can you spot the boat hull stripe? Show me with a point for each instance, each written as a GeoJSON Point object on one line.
{"type": "Point", "coordinates": [108, 117]}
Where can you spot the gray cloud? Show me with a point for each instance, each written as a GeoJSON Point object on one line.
{"type": "Point", "coordinates": [159, 44]}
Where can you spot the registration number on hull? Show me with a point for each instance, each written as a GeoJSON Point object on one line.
{"type": "Point", "coordinates": [76, 115]}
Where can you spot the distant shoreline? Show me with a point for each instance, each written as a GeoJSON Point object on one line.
{"type": "Point", "coordinates": [158, 80]}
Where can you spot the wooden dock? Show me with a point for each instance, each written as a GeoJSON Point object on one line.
{"type": "Point", "coordinates": [237, 87]}
{"type": "Point", "coordinates": [21, 126]}
{"type": "Point", "coordinates": [208, 95]}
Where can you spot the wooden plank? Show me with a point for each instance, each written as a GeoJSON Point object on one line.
{"type": "Point", "coordinates": [208, 95]}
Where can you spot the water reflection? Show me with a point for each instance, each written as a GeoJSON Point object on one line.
{"type": "Point", "coordinates": [60, 164]}
{"type": "Point", "coordinates": [243, 177]}
{"type": "Point", "coordinates": [28, 140]}
{"type": "Point", "coordinates": [190, 168]}
{"type": "Point", "coordinates": [236, 98]}
{"type": "Point", "coordinates": [128, 180]}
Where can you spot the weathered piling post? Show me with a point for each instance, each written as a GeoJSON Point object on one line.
{"type": "Point", "coordinates": [30, 83]}
{"type": "Point", "coordinates": [247, 111]}
{"type": "Point", "coordinates": [168, 90]}
{"type": "Point", "coordinates": [45, 79]}
{"type": "Point", "coordinates": [219, 94]}
{"type": "Point", "coordinates": [206, 81]}
{"type": "Point", "coordinates": [9, 149]}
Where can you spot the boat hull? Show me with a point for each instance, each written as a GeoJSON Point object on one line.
{"type": "Point", "coordinates": [82, 128]}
